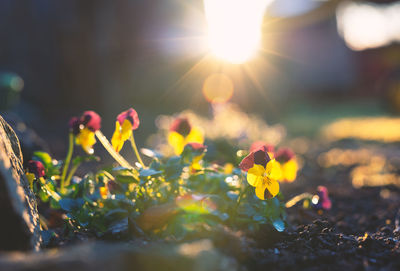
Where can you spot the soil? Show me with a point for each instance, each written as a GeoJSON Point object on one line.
{"type": "Point", "coordinates": [360, 232]}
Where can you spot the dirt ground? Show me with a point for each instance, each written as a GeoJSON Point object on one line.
{"type": "Point", "coordinates": [360, 232]}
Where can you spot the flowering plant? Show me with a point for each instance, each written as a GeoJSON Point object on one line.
{"type": "Point", "coordinates": [165, 196]}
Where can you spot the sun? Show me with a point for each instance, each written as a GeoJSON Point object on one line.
{"type": "Point", "coordinates": [234, 28]}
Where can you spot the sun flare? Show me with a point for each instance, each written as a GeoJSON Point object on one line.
{"type": "Point", "coordinates": [234, 28]}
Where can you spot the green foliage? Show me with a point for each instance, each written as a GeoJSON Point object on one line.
{"type": "Point", "coordinates": [120, 201]}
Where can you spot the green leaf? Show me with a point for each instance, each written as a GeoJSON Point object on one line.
{"type": "Point", "coordinates": [70, 205]}
{"type": "Point", "coordinates": [43, 157]}
{"type": "Point", "coordinates": [149, 172]}
{"type": "Point", "coordinates": [44, 197]}
{"type": "Point", "coordinates": [125, 179]}
{"type": "Point", "coordinates": [279, 225]}
{"type": "Point", "coordinates": [47, 236]}
{"type": "Point", "coordinates": [47, 162]}
{"type": "Point", "coordinates": [88, 158]}
{"type": "Point", "coordinates": [115, 214]}
{"type": "Point", "coordinates": [119, 227]}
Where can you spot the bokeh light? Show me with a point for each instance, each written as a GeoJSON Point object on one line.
{"type": "Point", "coordinates": [218, 88]}
{"type": "Point", "coordinates": [385, 129]}
{"type": "Point", "coordinates": [368, 25]}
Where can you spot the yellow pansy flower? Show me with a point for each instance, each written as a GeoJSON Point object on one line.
{"type": "Point", "coordinates": [289, 166]}
{"type": "Point", "coordinates": [126, 122]}
{"type": "Point", "coordinates": [262, 173]}
{"type": "Point", "coordinates": [182, 133]}
{"type": "Point", "coordinates": [83, 129]}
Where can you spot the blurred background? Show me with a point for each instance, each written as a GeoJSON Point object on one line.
{"type": "Point", "coordinates": [301, 63]}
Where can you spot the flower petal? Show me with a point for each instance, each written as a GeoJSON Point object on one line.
{"type": "Point", "coordinates": [284, 155]}
{"type": "Point", "coordinates": [268, 188]}
{"type": "Point", "coordinates": [196, 163]}
{"type": "Point", "coordinates": [289, 170]}
{"type": "Point", "coordinates": [247, 162]}
{"type": "Point", "coordinates": [274, 170]}
{"type": "Point", "coordinates": [86, 139]}
{"type": "Point", "coordinates": [181, 126]}
{"type": "Point", "coordinates": [255, 175]}
{"type": "Point", "coordinates": [195, 135]}
{"type": "Point", "coordinates": [91, 120]}
{"type": "Point", "coordinates": [131, 116]}
{"type": "Point", "coordinates": [116, 140]}
{"type": "Point", "coordinates": [177, 142]}
{"type": "Point", "coordinates": [126, 130]}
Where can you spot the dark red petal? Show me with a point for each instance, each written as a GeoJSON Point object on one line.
{"type": "Point", "coordinates": [324, 201]}
{"type": "Point", "coordinates": [181, 126]}
{"type": "Point", "coordinates": [247, 162]}
{"type": "Point", "coordinates": [198, 147]}
{"type": "Point", "coordinates": [37, 168]}
{"type": "Point", "coordinates": [91, 120]}
{"type": "Point", "coordinates": [73, 124]}
{"type": "Point", "coordinates": [284, 154]}
{"type": "Point", "coordinates": [130, 115]}
{"type": "Point", "coordinates": [262, 145]}
{"type": "Point", "coordinates": [261, 157]}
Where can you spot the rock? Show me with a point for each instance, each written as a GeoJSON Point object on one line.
{"type": "Point", "coordinates": [29, 140]}
{"type": "Point", "coordinates": [199, 255]}
{"type": "Point", "coordinates": [19, 227]}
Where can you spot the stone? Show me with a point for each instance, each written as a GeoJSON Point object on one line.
{"type": "Point", "coordinates": [19, 227]}
{"type": "Point", "coordinates": [199, 255]}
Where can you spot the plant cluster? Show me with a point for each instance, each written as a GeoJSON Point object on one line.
{"type": "Point", "coordinates": [170, 197]}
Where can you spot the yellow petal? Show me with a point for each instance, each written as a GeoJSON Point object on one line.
{"type": "Point", "coordinates": [273, 170]}
{"type": "Point", "coordinates": [289, 170]}
{"type": "Point", "coordinates": [103, 192]}
{"type": "Point", "coordinates": [126, 130]}
{"type": "Point", "coordinates": [267, 184]}
{"type": "Point", "coordinates": [86, 139]}
{"type": "Point", "coordinates": [31, 177]}
{"type": "Point", "coordinates": [255, 175]}
{"type": "Point", "coordinates": [116, 141]}
{"type": "Point", "coordinates": [228, 168]}
{"type": "Point", "coordinates": [196, 162]}
{"type": "Point", "coordinates": [195, 135]}
{"type": "Point", "coordinates": [177, 142]}
{"type": "Point", "coordinates": [121, 134]}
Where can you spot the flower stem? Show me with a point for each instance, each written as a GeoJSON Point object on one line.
{"type": "Point", "coordinates": [297, 198]}
{"type": "Point", "coordinates": [67, 161]}
{"type": "Point", "coordinates": [242, 192]}
{"type": "Point", "coordinates": [71, 174]}
{"type": "Point", "coordinates": [49, 191]}
{"type": "Point", "coordinates": [106, 144]}
{"type": "Point", "coordinates": [133, 143]}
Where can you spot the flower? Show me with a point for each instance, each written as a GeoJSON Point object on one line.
{"type": "Point", "coordinates": [228, 168]}
{"type": "Point", "coordinates": [262, 144]}
{"type": "Point", "coordinates": [36, 168]}
{"type": "Point", "coordinates": [126, 122]}
{"type": "Point", "coordinates": [262, 172]}
{"type": "Point", "coordinates": [83, 129]}
{"type": "Point", "coordinates": [322, 200]}
{"type": "Point", "coordinates": [182, 133]}
{"type": "Point", "coordinates": [289, 166]}
{"type": "Point", "coordinates": [195, 152]}
{"type": "Point", "coordinates": [103, 192]}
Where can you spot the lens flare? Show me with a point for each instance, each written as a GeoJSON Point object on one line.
{"type": "Point", "coordinates": [234, 27]}
{"type": "Point", "coordinates": [218, 88]}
